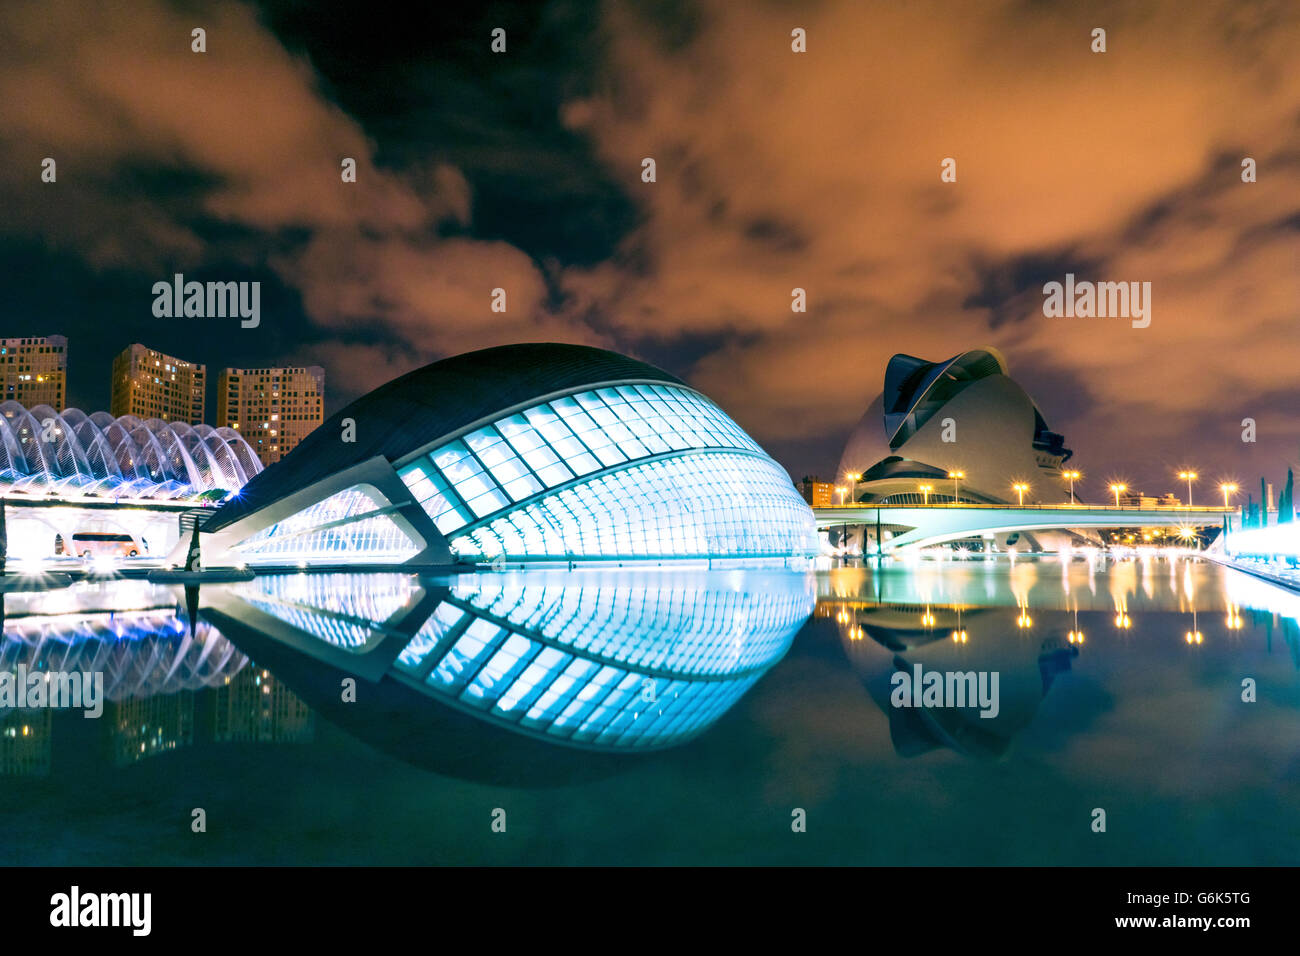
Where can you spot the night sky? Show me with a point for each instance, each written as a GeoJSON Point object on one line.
{"type": "Point", "coordinates": [775, 170]}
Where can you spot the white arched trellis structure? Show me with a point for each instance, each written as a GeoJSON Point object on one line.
{"type": "Point", "coordinates": [74, 455]}
{"type": "Point", "coordinates": [140, 655]}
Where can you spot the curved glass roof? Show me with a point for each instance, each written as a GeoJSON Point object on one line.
{"type": "Point", "coordinates": [623, 471]}
{"type": "Point", "coordinates": [433, 403]}
{"type": "Point", "coordinates": [73, 454]}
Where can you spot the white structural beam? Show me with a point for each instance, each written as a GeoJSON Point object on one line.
{"type": "Point", "coordinates": [941, 523]}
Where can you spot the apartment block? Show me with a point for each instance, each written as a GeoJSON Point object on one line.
{"type": "Point", "coordinates": [151, 384]}
{"type": "Point", "coordinates": [273, 408]}
{"type": "Point", "coordinates": [34, 371]}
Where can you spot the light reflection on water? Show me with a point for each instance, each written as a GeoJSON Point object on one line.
{"type": "Point", "coordinates": [668, 716]}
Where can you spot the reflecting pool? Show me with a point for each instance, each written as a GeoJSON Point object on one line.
{"type": "Point", "coordinates": [657, 715]}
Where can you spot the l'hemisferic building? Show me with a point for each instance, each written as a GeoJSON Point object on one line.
{"type": "Point", "coordinates": [522, 453]}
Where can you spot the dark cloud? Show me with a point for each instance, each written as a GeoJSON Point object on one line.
{"type": "Point", "coordinates": [775, 171]}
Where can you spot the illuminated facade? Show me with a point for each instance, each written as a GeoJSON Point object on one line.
{"type": "Point", "coordinates": [640, 661]}
{"type": "Point", "coordinates": [520, 453]}
{"type": "Point", "coordinates": [149, 384]}
{"type": "Point", "coordinates": [273, 408]}
{"type": "Point", "coordinates": [34, 371]}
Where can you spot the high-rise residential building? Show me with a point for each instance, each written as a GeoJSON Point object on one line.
{"type": "Point", "coordinates": [149, 384]}
{"type": "Point", "coordinates": [34, 371]}
{"type": "Point", "coordinates": [273, 408]}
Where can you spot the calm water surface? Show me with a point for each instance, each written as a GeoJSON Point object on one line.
{"type": "Point", "coordinates": [663, 716]}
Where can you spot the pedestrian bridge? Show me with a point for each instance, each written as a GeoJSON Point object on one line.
{"type": "Point", "coordinates": [939, 523]}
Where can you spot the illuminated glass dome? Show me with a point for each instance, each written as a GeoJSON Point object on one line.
{"type": "Point", "coordinates": [519, 453]}
{"type": "Point", "coordinates": [74, 454]}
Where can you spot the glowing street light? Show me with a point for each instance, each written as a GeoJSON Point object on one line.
{"type": "Point", "coordinates": [956, 477]}
{"type": "Point", "coordinates": [925, 492]}
{"type": "Point", "coordinates": [1071, 477]}
{"type": "Point", "coordinates": [1228, 488]}
{"type": "Point", "coordinates": [840, 490]}
{"type": "Point", "coordinates": [1118, 488]}
{"type": "Point", "coordinates": [1189, 477]}
{"type": "Point", "coordinates": [1020, 488]}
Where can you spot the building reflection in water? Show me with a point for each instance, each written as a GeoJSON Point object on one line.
{"type": "Point", "coordinates": [1029, 628]}
{"type": "Point", "coordinates": [479, 665]}
{"type": "Point", "coordinates": [25, 742]}
{"type": "Point", "coordinates": [155, 663]}
{"type": "Point", "coordinates": [453, 673]}
{"type": "Point", "coordinates": [883, 639]}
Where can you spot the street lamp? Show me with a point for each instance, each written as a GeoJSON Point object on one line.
{"type": "Point", "coordinates": [840, 490]}
{"type": "Point", "coordinates": [1020, 488]}
{"type": "Point", "coordinates": [853, 477]}
{"type": "Point", "coordinates": [956, 477]}
{"type": "Point", "coordinates": [1071, 477]}
{"type": "Point", "coordinates": [1228, 488]}
{"type": "Point", "coordinates": [1117, 488]}
{"type": "Point", "coordinates": [925, 492]}
{"type": "Point", "coordinates": [1189, 477]}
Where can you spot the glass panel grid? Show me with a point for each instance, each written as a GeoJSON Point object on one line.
{"type": "Point", "coordinates": [719, 504]}
{"type": "Point", "coordinates": [550, 444]}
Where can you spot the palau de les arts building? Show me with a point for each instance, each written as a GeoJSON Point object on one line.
{"type": "Point", "coordinates": [522, 453]}
{"type": "Point", "coordinates": [1000, 437]}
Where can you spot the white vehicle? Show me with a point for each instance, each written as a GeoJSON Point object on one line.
{"type": "Point", "coordinates": [90, 544]}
